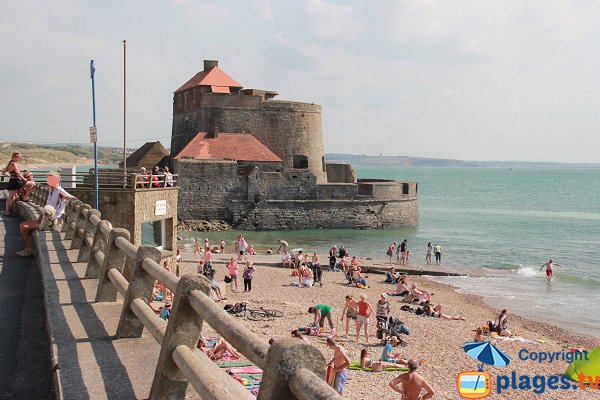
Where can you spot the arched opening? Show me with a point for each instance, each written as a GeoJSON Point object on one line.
{"type": "Point", "coordinates": [300, 162]}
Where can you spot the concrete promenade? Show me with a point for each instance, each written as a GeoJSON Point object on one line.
{"type": "Point", "coordinates": [25, 363]}
{"type": "Point", "coordinates": [73, 353]}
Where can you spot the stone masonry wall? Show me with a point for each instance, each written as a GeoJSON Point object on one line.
{"type": "Point", "coordinates": [342, 173]}
{"type": "Point", "coordinates": [207, 189]}
{"type": "Point", "coordinates": [285, 215]}
{"type": "Point", "coordinates": [287, 128]}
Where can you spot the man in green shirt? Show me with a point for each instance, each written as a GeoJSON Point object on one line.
{"type": "Point", "coordinates": [321, 311]}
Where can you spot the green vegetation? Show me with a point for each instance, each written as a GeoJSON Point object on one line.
{"type": "Point", "coordinates": [64, 154]}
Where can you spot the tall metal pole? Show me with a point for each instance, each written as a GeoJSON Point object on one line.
{"type": "Point", "coordinates": [93, 131]}
{"type": "Point", "coordinates": [125, 111]}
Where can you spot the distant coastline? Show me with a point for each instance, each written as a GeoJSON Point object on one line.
{"type": "Point", "coordinates": [407, 161]}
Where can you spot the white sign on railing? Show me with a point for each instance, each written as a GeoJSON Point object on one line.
{"type": "Point", "coordinates": [160, 208]}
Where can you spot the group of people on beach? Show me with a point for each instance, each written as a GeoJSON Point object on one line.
{"type": "Point", "coordinates": [403, 253]}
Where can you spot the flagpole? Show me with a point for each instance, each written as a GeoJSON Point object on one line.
{"type": "Point", "coordinates": [125, 111]}
{"type": "Point", "coordinates": [93, 132]}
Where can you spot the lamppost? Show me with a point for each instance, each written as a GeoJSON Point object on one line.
{"type": "Point", "coordinates": [93, 131]}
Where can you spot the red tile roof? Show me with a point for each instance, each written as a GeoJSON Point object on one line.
{"type": "Point", "coordinates": [212, 77]}
{"type": "Point", "coordinates": [236, 146]}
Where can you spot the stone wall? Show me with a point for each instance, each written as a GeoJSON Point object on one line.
{"type": "Point", "coordinates": [207, 188]}
{"type": "Point", "coordinates": [287, 128]}
{"type": "Point", "coordinates": [341, 173]}
{"type": "Point", "coordinates": [128, 209]}
{"type": "Point", "coordinates": [305, 214]}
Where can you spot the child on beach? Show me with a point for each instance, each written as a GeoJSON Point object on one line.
{"type": "Point", "coordinates": [222, 244]}
{"type": "Point", "coordinates": [197, 247]}
{"type": "Point", "coordinates": [232, 267]}
{"type": "Point", "coordinates": [247, 274]}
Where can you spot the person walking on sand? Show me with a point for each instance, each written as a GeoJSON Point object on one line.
{"type": "Point", "coordinates": [429, 253]}
{"type": "Point", "coordinates": [350, 311]}
{"type": "Point", "coordinates": [247, 274]}
{"type": "Point", "coordinates": [339, 364]}
{"type": "Point", "coordinates": [549, 265]}
{"type": "Point", "coordinates": [222, 244]}
{"type": "Point", "coordinates": [410, 384]}
{"type": "Point", "coordinates": [437, 250]}
{"type": "Point", "coordinates": [362, 319]}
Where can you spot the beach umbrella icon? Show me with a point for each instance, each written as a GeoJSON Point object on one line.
{"type": "Point", "coordinates": [486, 353]}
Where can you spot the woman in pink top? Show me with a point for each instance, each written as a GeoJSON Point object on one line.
{"type": "Point", "coordinates": [364, 311]}
{"type": "Point", "coordinates": [233, 270]}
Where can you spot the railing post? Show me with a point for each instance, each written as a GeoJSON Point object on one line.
{"type": "Point", "coordinates": [184, 328]}
{"type": "Point", "coordinates": [99, 244]}
{"type": "Point", "coordinates": [285, 356]}
{"type": "Point", "coordinates": [114, 257]}
{"type": "Point", "coordinates": [79, 224]}
{"type": "Point", "coordinates": [72, 222]}
{"type": "Point", "coordinates": [89, 231]}
{"type": "Point", "coordinates": [140, 286]}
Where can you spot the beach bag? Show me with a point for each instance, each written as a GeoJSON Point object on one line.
{"type": "Point", "coordinates": [227, 279]}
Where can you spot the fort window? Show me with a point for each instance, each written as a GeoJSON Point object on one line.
{"type": "Point", "coordinates": [300, 162]}
{"type": "Point", "coordinates": [404, 188]}
{"type": "Point", "coordinates": [416, 188]}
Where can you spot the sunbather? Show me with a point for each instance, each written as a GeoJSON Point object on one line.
{"type": "Point", "coordinates": [374, 365]}
{"type": "Point", "coordinates": [436, 312]}
{"type": "Point", "coordinates": [218, 350]}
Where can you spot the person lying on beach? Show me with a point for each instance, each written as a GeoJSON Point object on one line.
{"type": "Point", "coordinates": [436, 312]}
{"type": "Point", "coordinates": [350, 311]}
{"type": "Point", "coordinates": [218, 350]}
{"type": "Point", "coordinates": [389, 355]}
{"type": "Point", "coordinates": [402, 288]}
{"type": "Point", "coordinates": [374, 365]}
{"type": "Point", "coordinates": [296, 334]}
{"type": "Point", "coordinates": [500, 324]}
{"type": "Point", "coordinates": [410, 384]}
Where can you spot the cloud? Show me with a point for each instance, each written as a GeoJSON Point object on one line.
{"type": "Point", "coordinates": [328, 21]}
{"type": "Point", "coordinates": [264, 9]}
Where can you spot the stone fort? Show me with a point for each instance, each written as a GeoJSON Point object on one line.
{"type": "Point", "coordinates": [258, 163]}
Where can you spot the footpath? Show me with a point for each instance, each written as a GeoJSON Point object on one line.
{"type": "Point", "coordinates": [81, 355]}
{"type": "Point", "coordinates": [25, 367]}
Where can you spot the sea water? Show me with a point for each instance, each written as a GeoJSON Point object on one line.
{"type": "Point", "coordinates": [497, 225]}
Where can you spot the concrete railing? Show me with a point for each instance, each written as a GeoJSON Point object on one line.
{"type": "Point", "coordinates": [292, 369]}
{"type": "Point", "coordinates": [112, 180]}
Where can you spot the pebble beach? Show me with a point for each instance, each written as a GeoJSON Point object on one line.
{"type": "Point", "coordinates": [438, 342]}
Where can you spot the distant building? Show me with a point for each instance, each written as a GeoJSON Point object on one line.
{"type": "Point", "coordinates": [258, 163]}
{"type": "Point", "coordinates": [149, 155]}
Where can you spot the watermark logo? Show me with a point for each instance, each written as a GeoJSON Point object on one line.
{"type": "Point", "coordinates": [474, 384]}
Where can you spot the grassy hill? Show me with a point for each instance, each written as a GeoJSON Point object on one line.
{"type": "Point", "coordinates": [59, 154]}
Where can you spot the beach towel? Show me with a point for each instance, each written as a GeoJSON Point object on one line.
{"type": "Point", "coordinates": [355, 366]}
{"type": "Point", "coordinates": [228, 364]}
{"type": "Point", "coordinates": [245, 370]}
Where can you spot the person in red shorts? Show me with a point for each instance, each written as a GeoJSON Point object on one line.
{"type": "Point", "coordinates": [549, 265]}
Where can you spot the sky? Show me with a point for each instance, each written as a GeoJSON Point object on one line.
{"type": "Point", "coordinates": [472, 80]}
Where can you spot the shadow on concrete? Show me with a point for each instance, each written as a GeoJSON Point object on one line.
{"type": "Point", "coordinates": [25, 367]}
{"type": "Point", "coordinates": [115, 378]}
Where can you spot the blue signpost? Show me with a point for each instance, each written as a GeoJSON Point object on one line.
{"type": "Point", "coordinates": [93, 131]}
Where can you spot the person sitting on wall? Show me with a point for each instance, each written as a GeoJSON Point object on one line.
{"type": "Point", "coordinates": [23, 192]}
{"type": "Point", "coordinates": [57, 198]}
{"type": "Point", "coordinates": [157, 176]}
{"type": "Point", "coordinates": [168, 177]}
